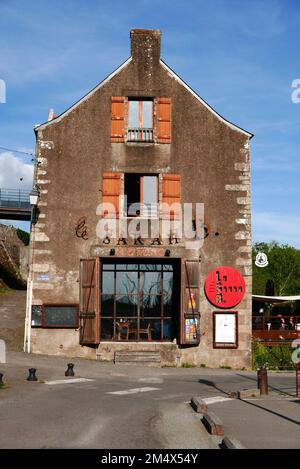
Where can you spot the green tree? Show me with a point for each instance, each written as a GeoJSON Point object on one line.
{"type": "Point", "coordinates": [283, 269]}
{"type": "Point", "coordinates": [23, 236]}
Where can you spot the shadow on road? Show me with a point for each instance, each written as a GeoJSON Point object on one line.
{"type": "Point", "coordinates": [277, 414]}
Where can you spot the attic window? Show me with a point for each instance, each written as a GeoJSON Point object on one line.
{"type": "Point", "coordinates": [140, 120]}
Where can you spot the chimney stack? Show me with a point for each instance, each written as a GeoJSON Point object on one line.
{"type": "Point", "coordinates": [145, 46]}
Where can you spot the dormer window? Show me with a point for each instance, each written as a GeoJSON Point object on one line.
{"type": "Point", "coordinates": [140, 120]}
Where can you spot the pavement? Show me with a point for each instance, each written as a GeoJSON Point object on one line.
{"type": "Point", "coordinates": [133, 406]}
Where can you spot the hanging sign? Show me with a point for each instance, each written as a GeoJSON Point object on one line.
{"type": "Point", "coordinates": [261, 260]}
{"type": "Point", "coordinates": [225, 287]}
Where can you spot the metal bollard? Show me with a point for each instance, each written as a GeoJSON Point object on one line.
{"type": "Point", "coordinates": [1, 381]}
{"type": "Point", "coordinates": [262, 381]}
{"type": "Point", "coordinates": [32, 376]}
{"type": "Point", "coordinates": [70, 370]}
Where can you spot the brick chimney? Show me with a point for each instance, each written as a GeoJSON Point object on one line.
{"type": "Point", "coordinates": [145, 46]}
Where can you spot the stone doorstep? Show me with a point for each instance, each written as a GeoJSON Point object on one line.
{"type": "Point", "coordinates": [136, 357]}
{"type": "Point", "coordinates": [213, 424]}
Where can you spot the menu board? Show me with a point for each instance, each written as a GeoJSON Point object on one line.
{"type": "Point", "coordinates": [225, 330]}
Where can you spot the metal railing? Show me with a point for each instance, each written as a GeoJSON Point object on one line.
{"type": "Point", "coordinates": [140, 135]}
{"type": "Point", "coordinates": [14, 199]}
{"type": "Point", "coordinates": [276, 323]}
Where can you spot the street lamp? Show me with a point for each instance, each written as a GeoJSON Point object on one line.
{"type": "Point", "coordinates": [34, 197]}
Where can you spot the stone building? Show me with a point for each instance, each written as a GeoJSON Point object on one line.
{"type": "Point", "coordinates": [113, 273]}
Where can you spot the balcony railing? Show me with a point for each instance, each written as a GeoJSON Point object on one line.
{"type": "Point", "coordinates": [276, 329]}
{"type": "Point", "coordinates": [140, 135]}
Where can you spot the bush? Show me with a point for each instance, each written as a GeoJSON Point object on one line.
{"type": "Point", "coordinates": [273, 358]}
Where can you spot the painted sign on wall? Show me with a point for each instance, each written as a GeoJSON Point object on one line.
{"type": "Point", "coordinates": [225, 287]}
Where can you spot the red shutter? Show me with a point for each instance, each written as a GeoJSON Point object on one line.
{"type": "Point", "coordinates": [190, 302]}
{"type": "Point", "coordinates": [163, 120]}
{"type": "Point", "coordinates": [89, 301]}
{"type": "Point", "coordinates": [111, 190]}
{"type": "Point", "coordinates": [117, 133]}
{"type": "Point", "coordinates": [171, 194]}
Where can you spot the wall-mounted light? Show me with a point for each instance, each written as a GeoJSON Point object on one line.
{"type": "Point", "coordinates": [34, 197]}
{"type": "Point", "coordinates": [112, 252]}
{"type": "Point", "coordinates": [167, 253]}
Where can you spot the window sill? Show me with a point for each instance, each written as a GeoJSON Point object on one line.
{"type": "Point", "coordinates": [139, 144]}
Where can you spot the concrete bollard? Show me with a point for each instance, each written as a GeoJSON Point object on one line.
{"type": "Point", "coordinates": [70, 370]}
{"type": "Point", "coordinates": [262, 381]}
{"type": "Point", "coordinates": [32, 375]}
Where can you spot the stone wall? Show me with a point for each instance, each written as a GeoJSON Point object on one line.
{"type": "Point", "coordinates": [13, 257]}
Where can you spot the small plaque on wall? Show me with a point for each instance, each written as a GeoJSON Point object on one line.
{"type": "Point", "coordinates": [225, 329]}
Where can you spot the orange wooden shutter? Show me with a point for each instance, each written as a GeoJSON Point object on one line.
{"type": "Point", "coordinates": [111, 190]}
{"type": "Point", "coordinates": [89, 301]}
{"type": "Point", "coordinates": [171, 193]}
{"type": "Point", "coordinates": [163, 120]}
{"type": "Point", "coordinates": [117, 133]}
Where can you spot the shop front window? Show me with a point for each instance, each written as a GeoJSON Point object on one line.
{"type": "Point", "coordinates": [139, 302]}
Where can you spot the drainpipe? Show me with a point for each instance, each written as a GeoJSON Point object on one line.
{"type": "Point", "coordinates": [27, 334]}
{"type": "Point", "coordinates": [27, 331]}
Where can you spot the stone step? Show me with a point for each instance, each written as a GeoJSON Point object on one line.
{"type": "Point", "coordinates": [137, 357]}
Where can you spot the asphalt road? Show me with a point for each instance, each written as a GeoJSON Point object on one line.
{"type": "Point", "coordinates": [125, 406]}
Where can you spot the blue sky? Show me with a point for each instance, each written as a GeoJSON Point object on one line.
{"type": "Point", "coordinates": [241, 57]}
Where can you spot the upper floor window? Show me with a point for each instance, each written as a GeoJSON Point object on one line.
{"type": "Point", "coordinates": [140, 120]}
{"type": "Point", "coordinates": [141, 195]}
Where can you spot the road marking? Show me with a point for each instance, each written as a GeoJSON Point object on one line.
{"type": "Point", "coordinates": [133, 391]}
{"type": "Point", "coordinates": [150, 380]}
{"type": "Point", "coordinates": [170, 396]}
{"type": "Point", "coordinates": [214, 400]}
{"type": "Point", "coordinates": [68, 381]}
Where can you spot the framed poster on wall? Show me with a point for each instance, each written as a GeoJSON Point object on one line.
{"type": "Point", "coordinates": [225, 329]}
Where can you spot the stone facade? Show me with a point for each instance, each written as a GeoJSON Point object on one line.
{"type": "Point", "coordinates": [74, 149]}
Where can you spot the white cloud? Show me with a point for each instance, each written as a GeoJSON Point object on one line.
{"type": "Point", "coordinates": [280, 227]}
{"type": "Point", "coordinates": [12, 169]}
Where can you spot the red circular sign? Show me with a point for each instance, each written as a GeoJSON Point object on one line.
{"type": "Point", "coordinates": [225, 287]}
